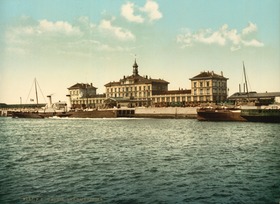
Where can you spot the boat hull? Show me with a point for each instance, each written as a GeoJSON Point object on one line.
{"type": "Point", "coordinates": [38, 115]}
{"type": "Point", "coordinates": [261, 115]}
{"type": "Point", "coordinates": [27, 115]}
{"type": "Point", "coordinates": [219, 115]}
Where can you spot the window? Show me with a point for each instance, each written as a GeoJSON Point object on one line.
{"type": "Point", "coordinates": [194, 84]}
{"type": "Point", "coordinates": [201, 84]}
{"type": "Point", "coordinates": [194, 92]}
{"type": "Point", "coordinates": [207, 83]}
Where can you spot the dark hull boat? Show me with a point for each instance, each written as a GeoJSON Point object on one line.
{"type": "Point", "coordinates": [26, 115]}
{"type": "Point", "coordinates": [261, 115]}
{"type": "Point", "coordinates": [39, 115]}
{"type": "Point", "coordinates": [216, 114]}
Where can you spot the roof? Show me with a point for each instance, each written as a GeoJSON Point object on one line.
{"type": "Point", "coordinates": [137, 79]}
{"type": "Point", "coordinates": [208, 75]}
{"type": "Point", "coordinates": [82, 86]}
{"type": "Point", "coordinates": [242, 95]}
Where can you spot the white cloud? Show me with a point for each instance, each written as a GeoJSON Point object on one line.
{"type": "Point", "coordinates": [127, 11]}
{"type": "Point", "coordinates": [249, 29]}
{"type": "Point", "coordinates": [253, 43]}
{"type": "Point", "coordinates": [152, 10]}
{"type": "Point", "coordinates": [59, 27]}
{"type": "Point", "coordinates": [62, 37]}
{"type": "Point", "coordinates": [118, 32]}
{"type": "Point", "coordinates": [222, 37]}
{"type": "Point", "coordinates": [149, 12]}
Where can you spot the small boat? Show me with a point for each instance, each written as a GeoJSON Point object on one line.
{"type": "Point", "coordinates": [269, 114]}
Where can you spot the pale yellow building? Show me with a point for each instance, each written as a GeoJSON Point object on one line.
{"type": "Point", "coordinates": [138, 89]}
{"type": "Point", "coordinates": [83, 95]}
{"type": "Point", "coordinates": [209, 87]}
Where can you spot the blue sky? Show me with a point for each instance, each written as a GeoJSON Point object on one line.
{"type": "Point", "coordinates": [65, 42]}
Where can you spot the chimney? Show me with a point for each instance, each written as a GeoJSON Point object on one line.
{"type": "Point", "coordinates": [222, 74]}
{"type": "Point", "coordinates": [50, 100]}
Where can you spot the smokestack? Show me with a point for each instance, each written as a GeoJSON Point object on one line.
{"type": "Point", "coordinates": [50, 100]}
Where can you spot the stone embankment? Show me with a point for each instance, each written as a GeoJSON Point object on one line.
{"type": "Point", "coordinates": [166, 112]}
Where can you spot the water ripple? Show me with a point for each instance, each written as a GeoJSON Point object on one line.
{"type": "Point", "coordinates": [138, 161]}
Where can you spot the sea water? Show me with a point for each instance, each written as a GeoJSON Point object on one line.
{"type": "Point", "coordinates": [138, 161]}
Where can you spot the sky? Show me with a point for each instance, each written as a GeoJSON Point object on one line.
{"type": "Point", "coordinates": [64, 42]}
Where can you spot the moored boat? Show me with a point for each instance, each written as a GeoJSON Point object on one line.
{"type": "Point", "coordinates": [219, 114]}
{"type": "Point", "coordinates": [58, 109]}
{"type": "Point", "coordinates": [269, 114]}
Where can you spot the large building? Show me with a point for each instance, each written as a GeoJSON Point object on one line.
{"type": "Point", "coordinates": [136, 90]}
{"type": "Point", "coordinates": [83, 95]}
{"type": "Point", "coordinates": [209, 87]}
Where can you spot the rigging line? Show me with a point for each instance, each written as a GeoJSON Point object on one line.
{"type": "Point", "coordinates": [30, 91]}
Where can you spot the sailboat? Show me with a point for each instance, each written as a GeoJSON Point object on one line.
{"type": "Point", "coordinates": [222, 113]}
{"type": "Point", "coordinates": [58, 109]}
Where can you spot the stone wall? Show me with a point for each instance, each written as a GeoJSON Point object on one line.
{"type": "Point", "coordinates": [166, 112]}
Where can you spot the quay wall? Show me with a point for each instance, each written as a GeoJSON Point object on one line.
{"type": "Point", "coordinates": [167, 112]}
{"type": "Point", "coordinates": [94, 114]}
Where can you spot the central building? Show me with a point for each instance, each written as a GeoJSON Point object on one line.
{"type": "Point", "coordinates": [135, 90]}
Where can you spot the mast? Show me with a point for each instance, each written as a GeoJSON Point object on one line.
{"type": "Point", "coordinates": [36, 91]}
{"type": "Point", "coordinates": [246, 84]}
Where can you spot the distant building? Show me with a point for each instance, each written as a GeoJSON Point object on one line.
{"type": "Point", "coordinates": [209, 87]}
{"type": "Point", "coordinates": [84, 95]}
{"type": "Point", "coordinates": [259, 98]}
{"type": "Point", "coordinates": [138, 89]}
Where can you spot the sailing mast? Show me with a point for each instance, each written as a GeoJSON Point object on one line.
{"type": "Point", "coordinates": [36, 91]}
{"type": "Point", "coordinates": [246, 84]}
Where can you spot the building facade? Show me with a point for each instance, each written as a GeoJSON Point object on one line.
{"type": "Point", "coordinates": [83, 95]}
{"type": "Point", "coordinates": [138, 89]}
{"type": "Point", "coordinates": [209, 87]}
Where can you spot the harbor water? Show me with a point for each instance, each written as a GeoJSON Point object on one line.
{"type": "Point", "coordinates": [138, 161]}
